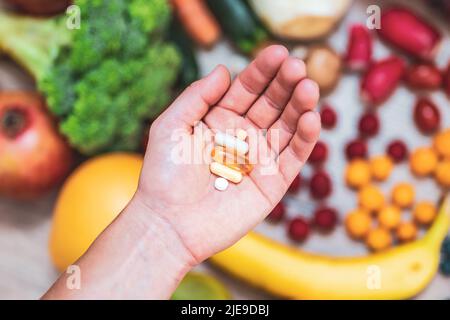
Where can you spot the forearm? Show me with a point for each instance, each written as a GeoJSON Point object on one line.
{"type": "Point", "coordinates": [139, 256]}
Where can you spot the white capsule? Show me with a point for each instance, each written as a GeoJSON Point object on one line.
{"type": "Point", "coordinates": [231, 142]}
{"type": "Point", "coordinates": [221, 184]}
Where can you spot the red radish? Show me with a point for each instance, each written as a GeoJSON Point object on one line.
{"type": "Point", "coordinates": [423, 76]}
{"type": "Point", "coordinates": [427, 115]}
{"type": "Point", "coordinates": [319, 154]}
{"type": "Point", "coordinates": [409, 32]}
{"type": "Point", "coordinates": [298, 229]}
{"type": "Point", "coordinates": [359, 48]}
{"type": "Point", "coordinates": [369, 125]}
{"type": "Point", "coordinates": [295, 185]}
{"type": "Point", "coordinates": [320, 185]}
{"type": "Point", "coordinates": [33, 157]}
{"type": "Point", "coordinates": [381, 80]}
{"type": "Point", "coordinates": [328, 117]}
{"type": "Point", "coordinates": [277, 213]}
{"type": "Point", "coordinates": [397, 150]}
{"type": "Point", "coordinates": [356, 149]}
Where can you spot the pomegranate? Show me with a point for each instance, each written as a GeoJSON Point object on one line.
{"type": "Point", "coordinates": [33, 156]}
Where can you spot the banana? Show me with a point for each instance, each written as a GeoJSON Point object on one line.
{"type": "Point", "coordinates": [398, 273]}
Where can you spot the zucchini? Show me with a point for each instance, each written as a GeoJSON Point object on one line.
{"type": "Point", "coordinates": [189, 66]}
{"type": "Point", "coordinates": [239, 23]}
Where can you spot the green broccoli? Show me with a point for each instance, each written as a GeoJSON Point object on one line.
{"type": "Point", "coordinates": [106, 78]}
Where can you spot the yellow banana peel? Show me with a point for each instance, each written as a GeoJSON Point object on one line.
{"type": "Point", "coordinates": [398, 273]}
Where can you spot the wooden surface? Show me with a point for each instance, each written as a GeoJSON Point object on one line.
{"type": "Point", "coordinates": [25, 268]}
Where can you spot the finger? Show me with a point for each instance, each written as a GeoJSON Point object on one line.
{"type": "Point", "coordinates": [304, 99]}
{"type": "Point", "coordinates": [193, 104]}
{"type": "Point", "coordinates": [251, 82]}
{"type": "Point", "coordinates": [267, 109]}
{"type": "Point", "coordinates": [295, 155]}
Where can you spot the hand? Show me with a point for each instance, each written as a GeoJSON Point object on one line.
{"type": "Point", "coordinates": [272, 93]}
{"type": "Point", "coordinates": [176, 218]}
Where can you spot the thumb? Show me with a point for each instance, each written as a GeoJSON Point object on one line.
{"type": "Point", "coordinates": [194, 102]}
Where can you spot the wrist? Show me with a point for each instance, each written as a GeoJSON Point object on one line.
{"type": "Point", "coordinates": [159, 240]}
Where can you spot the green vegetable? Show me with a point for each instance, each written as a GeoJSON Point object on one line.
{"type": "Point", "coordinates": [199, 286]}
{"type": "Point", "coordinates": [239, 23]}
{"type": "Point", "coordinates": [189, 67]}
{"type": "Point", "coordinates": [104, 79]}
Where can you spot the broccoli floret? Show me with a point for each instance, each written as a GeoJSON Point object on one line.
{"type": "Point", "coordinates": [115, 72]}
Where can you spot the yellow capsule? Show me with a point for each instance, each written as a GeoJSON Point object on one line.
{"type": "Point", "coordinates": [231, 160]}
{"type": "Point", "coordinates": [225, 172]}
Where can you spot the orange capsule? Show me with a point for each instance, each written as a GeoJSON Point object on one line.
{"type": "Point", "coordinates": [232, 160]}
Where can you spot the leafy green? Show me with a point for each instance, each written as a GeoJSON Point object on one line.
{"type": "Point", "coordinates": [106, 78]}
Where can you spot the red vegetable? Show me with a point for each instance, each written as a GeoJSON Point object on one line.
{"type": "Point", "coordinates": [423, 76]}
{"type": "Point", "coordinates": [409, 32]}
{"type": "Point", "coordinates": [381, 80]}
{"type": "Point", "coordinates": [359, 48]}
{"type": "Point", "coordinates": [427, 115]}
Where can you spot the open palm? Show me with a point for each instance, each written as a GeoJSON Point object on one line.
{"type": "Point", "coordinates": [271, 93]}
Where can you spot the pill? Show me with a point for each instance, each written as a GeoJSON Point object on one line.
{"type": "Point", "coordinates": [221, 184]}
{"type": "Point", "coordinates": [225, 172]}
{"type": "Point", "coordinates": [241, 134]}
{"type": "Point", "coordinates": [231, 160]}
{"type": "Point", "coordinates": [231, 142]}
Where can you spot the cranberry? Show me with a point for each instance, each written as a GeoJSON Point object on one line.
{"type": "Point", "coordinates": [295, 185]}
{"type": "Point", "coordinates": [325, 218]}
{"type": "Point", "coordinates": [356, 149]}
{"type": "Point", "coordinates": [328, 117]}
{"type": "Point", "coordinates": [397, 150]}
{"type": "Point", "coordinates": [319, 154]}
{"type": "Point", "coordinates": [298, 229]}
{"type": "Point", "coordinates": [369, 125]}
{"type": "Point", "coordinates": [277, 213]}
{"type": "Point", "coordinates": [426, 115]}
{"type": "Point", "coordinates": [320, 185]}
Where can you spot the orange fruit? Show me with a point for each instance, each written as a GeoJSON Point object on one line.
{"type": "Point", "coordinates": [371, 198]}
{"type": "Point", "coordinates": [96, 192]}
{"type": "Point", "coordinates": [406, 231]}
{"type": "Point", "coordinates": [389, 217]}
{"type": "Point", "coordinates": [424, 212]}
{"type": "Point", "coordinates": [442, 173]}
{"type": "Point", "coordinates": [357, 173]}
{"type": "Point", "coordinates": [381, 167]}
{"type": "Point", "coordinates": [358, 223]}
{"type": "Point", "coordinates": [423, 161]}
{"type": "Point", "coordinates": [403, 195]}
{"type": "Point", "coordinates": [379, 239]}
